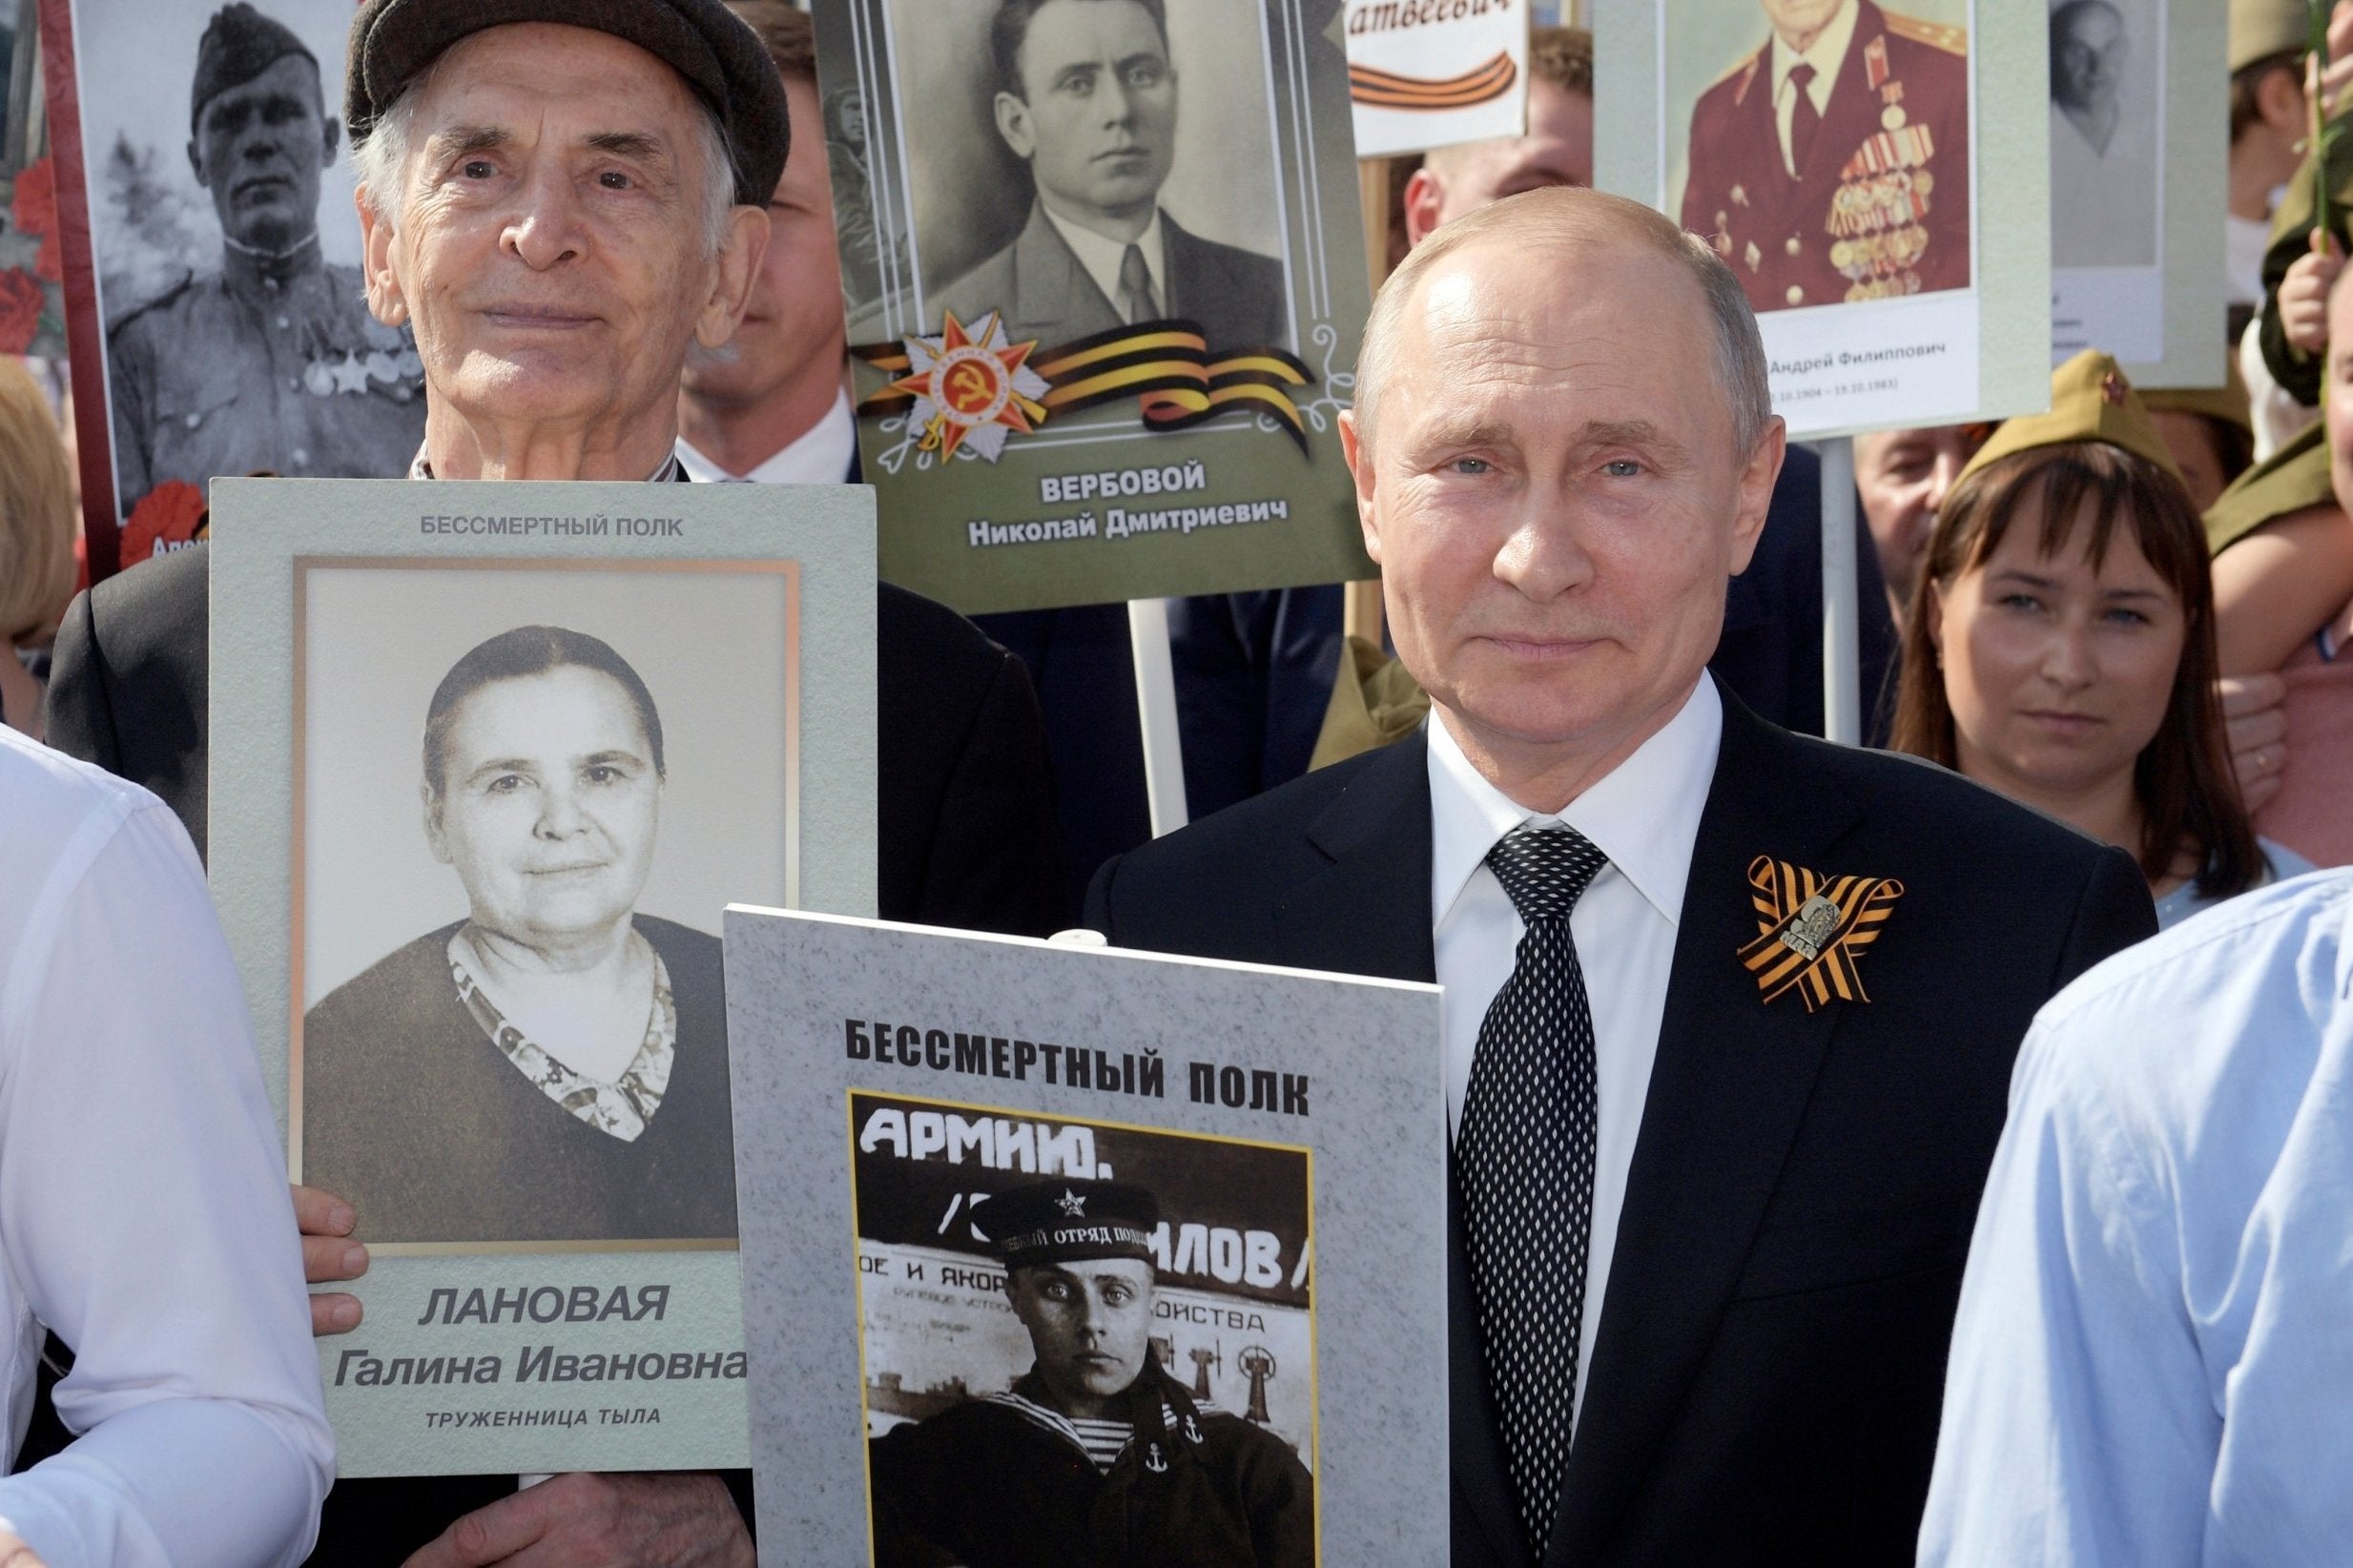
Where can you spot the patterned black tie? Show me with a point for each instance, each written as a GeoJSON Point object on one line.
{"type": "Point", "coordinates": [1524, 1158]}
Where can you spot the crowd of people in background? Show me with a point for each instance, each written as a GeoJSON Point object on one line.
{"type": "Point", "coordinates": [2131, 614]}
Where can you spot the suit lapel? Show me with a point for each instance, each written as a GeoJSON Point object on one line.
{"type": "Point", "coordinates": [1727, 1089]}
{"type": "Point", "coordinates": [1368, 911]}
{"type": "Point", "coordinates": [1050, 286]}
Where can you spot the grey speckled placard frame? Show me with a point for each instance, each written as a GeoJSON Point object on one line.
{"type": "Point", "coordinates": [258, 528]}
{"type": "Point", "coordinates": [1377, 1124]}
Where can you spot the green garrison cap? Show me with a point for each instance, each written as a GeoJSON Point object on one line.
{"type": "Point", "coordinates": [2226, 404]}
{"type": "Point", "coordinates": [2090, 401]}
{"type": "Point", "coordinates": [393, 42]}
{"type": "Point", "coordinates": [2261, 28]}
{"type": "Point", "coordinates": [2293, 479]}
{"type": "Point", "coordinates": [240, 44]}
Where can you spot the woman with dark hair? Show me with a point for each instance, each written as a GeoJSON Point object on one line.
{"type": "Point", "coordinates": [554, 1065]}
{"type": "Point", "coordinates": [2062, 650]}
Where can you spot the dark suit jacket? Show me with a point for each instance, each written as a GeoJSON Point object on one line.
{"type": "Point", "coordinates": [1769, 1362]}
{"type": "Point", "coordinates": [1235, 295]}
{"type": "Point", "coordinates": [966, 838]}
{"type": "Point", "coordinates": [1776, 231]}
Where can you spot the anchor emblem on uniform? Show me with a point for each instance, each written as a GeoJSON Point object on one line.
{"type": "Point", "coordinates": [1192, 1432]}
{"type": "Point", "coordinates": [1153, 1461]}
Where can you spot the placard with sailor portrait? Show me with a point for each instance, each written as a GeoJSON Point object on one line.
{"type": "Point", "coordinates": [1118, 1257]}
{"type": "Point", "coordinates": [1105, 283]}
{"type": "Point", "coordinates": [1830, 151]}
{"type": "Point", "coordinates": [488, 762]}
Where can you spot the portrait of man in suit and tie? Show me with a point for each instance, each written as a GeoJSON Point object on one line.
{"type": "Point", "coordinates": [1086, 96]}
{"type": "Point", "coordinates": [1828, 164]}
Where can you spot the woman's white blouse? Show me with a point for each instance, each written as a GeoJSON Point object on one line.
{"type": "Point", "coordinates": [143, 1207]}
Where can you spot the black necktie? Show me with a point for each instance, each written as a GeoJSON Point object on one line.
{"type": "Point", "coordinates": [1805, 119]}
{"type": "Point", "coordinates": [1524, 1158]}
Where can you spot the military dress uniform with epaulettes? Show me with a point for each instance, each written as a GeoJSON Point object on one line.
{"type": "Point", "coordinates": [261, 366]}
{"type": "Point", "coordinates": [1879, 207]}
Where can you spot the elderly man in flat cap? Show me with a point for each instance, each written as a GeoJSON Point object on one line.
{"type": "Point", "coordinates": [272, 361]}
{"type": "Point", "coordinates": [1095, 1455]}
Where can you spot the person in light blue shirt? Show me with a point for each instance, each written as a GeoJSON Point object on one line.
{"type": "Point", "coordinates": [2153, 1362]}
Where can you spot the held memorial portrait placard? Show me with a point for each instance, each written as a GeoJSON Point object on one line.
{"type": "Point", "coordinates": [1874, 175]}
{"type": "Point", "coordinates": [2137, 258]}
{"type": "Point", "coordinates": [488, 760]}
{"type": "Point", "coordinates": [1067, 1255]}
{"type": "Point", "coordinates": [234, 335]}
{"type": "Point", "coordinates": [1104, 277]}
{"type": "Point", "coordinates": [1427, 74]}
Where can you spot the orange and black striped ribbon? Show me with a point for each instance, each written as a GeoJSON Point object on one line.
{"type": "Point", "coordinates": [1166, 367]}
{"type": "Point", "coordinates": [1781, 890]}
{"type": "Point", "coordinates": [1388, 90]}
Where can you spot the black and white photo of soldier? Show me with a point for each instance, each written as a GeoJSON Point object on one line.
{"type": "Point", "coordinates": [553, 1066]}
{"type": "Point", "coordinates": [2105, 153]}
{"type": "Point", "coordinates": [1096, 1454]}
{"type": "Point", "coordinates": [260, 357]}
{"type": "Point", "coordinates": [1086, 97]}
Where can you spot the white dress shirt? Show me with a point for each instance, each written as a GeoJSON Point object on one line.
{"type": "Point", "coordinates": [1101, 257]}
{"type": "Point", "coordinates": [1645, 816]}
{"type": "Point", "coordinates": [1827, 55]}
{"type": "Point", "coordinates": [2151, 1365]}
{"type": "Point", "coordinates": [820, 455]}
{"type": "Point", "coordinates": [143, 1206]}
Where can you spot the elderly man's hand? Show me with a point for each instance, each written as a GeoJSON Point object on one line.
{"type": "Point", "coordinates": [600, 1521]}
{"type": "Point", "coordinates": [2255, 723]}
{"type": "Point", "coordinates": [15, 1553]}
{"type": "Point", "coordinates": [2304, 296]}
{"type": "Point", "coordinates": [329, 1254]}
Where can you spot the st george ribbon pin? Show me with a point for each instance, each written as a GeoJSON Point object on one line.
{"type": "Point", "coordinates": [1812, 929]}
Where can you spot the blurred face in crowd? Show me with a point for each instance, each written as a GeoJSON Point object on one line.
{"type": "Point", "coordinates": [1800, 22]}
{"type": "Point", "coordinates": [2197, 451]}
{"type": "Point", "coordinates": [2339, 402]}
{"type": "Point", "coordinates": [1904, 477]}
{"type": "Point", "coordinates": [2057, 667]}
{"type": "Point", "coordinates": [548, 805]}
{"type": "Point", "coordinates": [1090, 1323]}
{"type": "Point", "coordinates": [259, 148]}
{"type": "Point", "coordinates": [2088, 51]}
{"type": "Point", "coordinates": [1096, 117]}
{"type": "Point", "coordinates": [1554, 498]}
{"type": "Point", "coordinates": [794, 322]}
{"type": "Point", "coordinates": [550, 244]}
{"type": "Point", "coordinates": [1558, 150]}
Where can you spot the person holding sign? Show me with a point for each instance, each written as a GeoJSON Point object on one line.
{"type": "Point", "coordinates": [1086, 97]}
{"type": "Point", "coordinates": [1097, 1454]}
{"type": "Point", "coordinates": [1729, 1012]}
{"type": "Point", "coordinates": [1833, 164]}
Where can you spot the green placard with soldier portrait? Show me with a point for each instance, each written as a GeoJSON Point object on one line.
{"type": "Point", "coordinates": [487, 762]}
{"type": "Point", "coordinates": [1833, 153]}
{"type": "Point", "coordinates": [1105, 276]}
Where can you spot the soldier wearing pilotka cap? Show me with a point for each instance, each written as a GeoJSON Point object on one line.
{"type": "Point", "coordinates": [1095, 1455]}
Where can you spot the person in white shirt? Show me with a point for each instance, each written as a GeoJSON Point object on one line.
{"type": "Point", "coordinates": [144, 1216]}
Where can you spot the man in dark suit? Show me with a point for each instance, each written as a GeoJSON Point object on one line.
{"type": "Point", "coordinates": [1832, 165]}
{"type": "Point", "coordinates": [1086, 97]}
{"type": "Point", "coordinates": [1729, 1012]}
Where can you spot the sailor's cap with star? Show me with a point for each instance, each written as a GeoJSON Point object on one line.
{"type": "Point", "coordinates": [1068, 1221]}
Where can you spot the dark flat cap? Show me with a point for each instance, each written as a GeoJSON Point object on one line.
{"type": "Point", "coordinates": [393, 42]}
{"type": "Point", "coordinates": [240, 44]}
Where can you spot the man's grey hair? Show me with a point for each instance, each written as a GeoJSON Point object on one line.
{"type": "Point", "coordinates": [1562, 216]}
{"type": "Point", "coordinates": [380, 163]}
